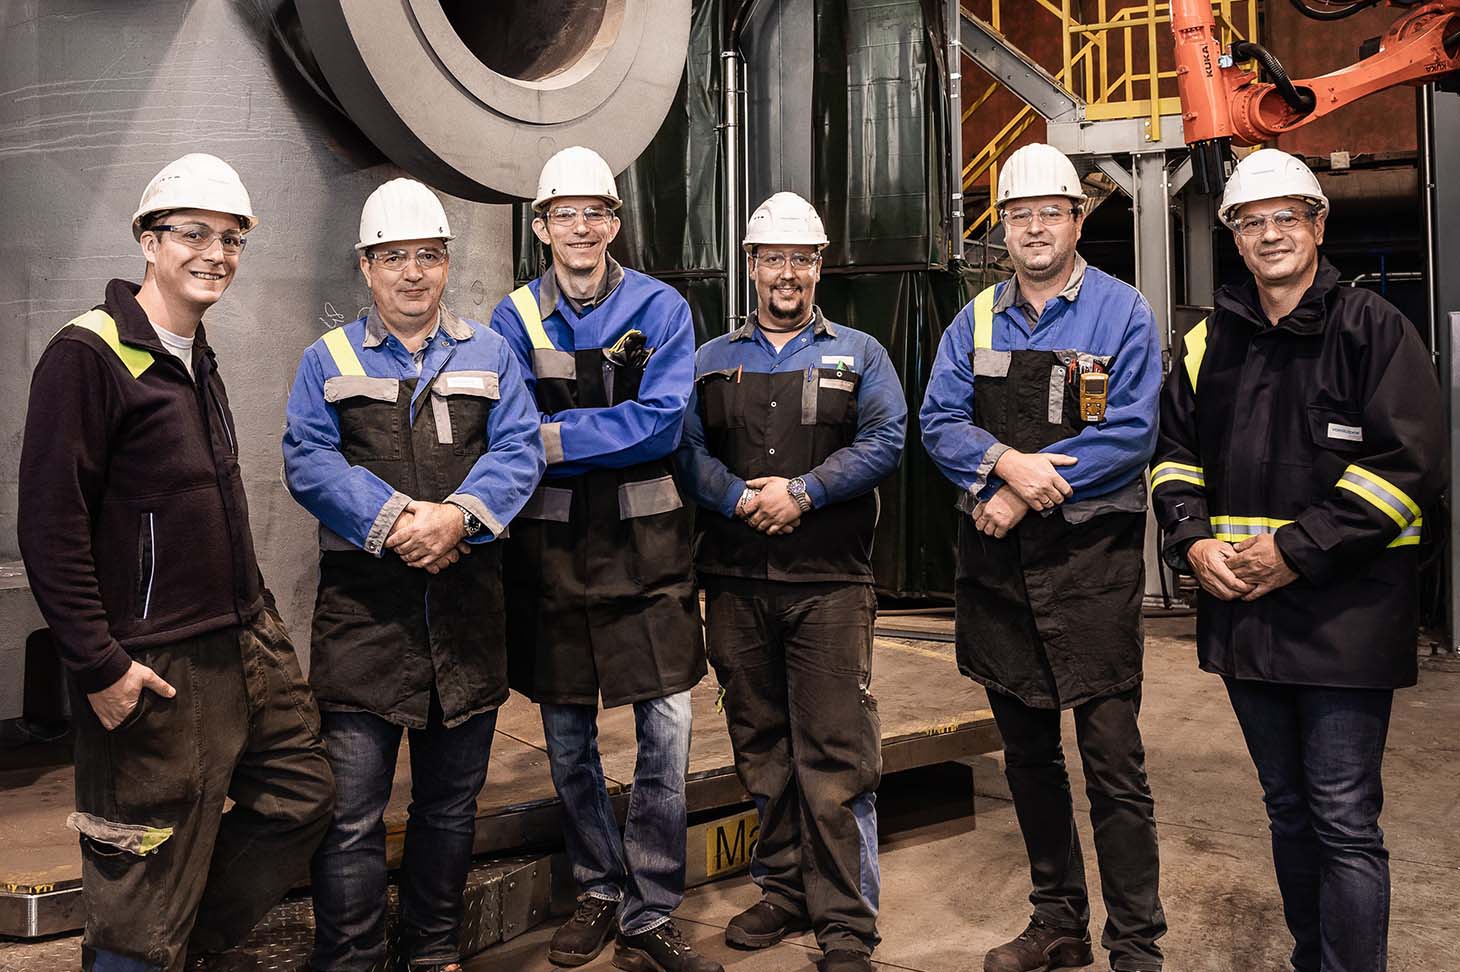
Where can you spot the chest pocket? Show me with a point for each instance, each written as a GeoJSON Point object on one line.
{"type": "Point", "coordinates": [369, 414]}
{"type": "Point", "coordinates": [720, 400]}
{"type": "Point", "coordinates": [830, 397]}
{"type": "Point", "coordinates": [460, 404]}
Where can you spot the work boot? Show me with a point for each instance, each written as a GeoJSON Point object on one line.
{"type": "Point", "coordinates": [660, 949]}
{"type": "Point", "coordinates": [845, 960]}
{"type": "Point", "coordinates": [762, 925]}
{"type": "Point", "coordinates": [583, 936]}
{"type": "Point", "coordinates": [1040, 947]}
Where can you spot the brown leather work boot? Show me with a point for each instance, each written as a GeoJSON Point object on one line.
{"type": "Point", "coordinates": [1041, 947]}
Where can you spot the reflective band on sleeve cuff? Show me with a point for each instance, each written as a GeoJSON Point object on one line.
{"type": "Point", "coordinates": [1167, 472]}
{"type": "Point", "coordinates": [1235, 529]}
{"type": "Point", "coordinates": [1380, 493]}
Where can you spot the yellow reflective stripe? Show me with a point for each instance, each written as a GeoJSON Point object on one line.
{"type": "Point", "coordinates": [1235, 529]}
{"type": "Point", "coordinates": [527, 309]}
{"type": "Point", "coordinates": [1196, 348]}
{"type": "Point", "coordinates": [1409, 536]}
{"type": "Point", "coordinates": [100, 323]}
{"type": "Point", "coordinates": [1380, 492]}
{"type": "Point", "coordinates": [345, 357]}
{"type": "Point", "coordinates": [1168, 472]}
{"type": "Point", "coordinates": [983, 319]}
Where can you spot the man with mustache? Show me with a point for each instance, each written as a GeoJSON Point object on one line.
{"type": "Point", "coordinates": [133, 523]}
{"type": "Point", "coordinates": [597, 571]}
{"type": "Point", "coordinates": [1302, 434]}
{"type": "Point", "coordinates": [1041, 409]}
{"type": "Point", "coordinates": [794, 422]}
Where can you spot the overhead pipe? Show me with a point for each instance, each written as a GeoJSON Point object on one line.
{"type": "Point", "coordinates": [733, 171]}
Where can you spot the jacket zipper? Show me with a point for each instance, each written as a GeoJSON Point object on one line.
{"type": "Point", "coordinates": [223, 421]}
{"type": "Point", "coordinates": [146, 563]}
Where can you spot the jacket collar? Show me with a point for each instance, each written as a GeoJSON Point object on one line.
{"type": "Point", "coordinates": [376, 332]}
{"type": "Point", "coordinates": [134, 328]}
{"type": "Point", "coordinates": [1012, 297]}
{"type": "Point", "coordinates": [549, 293]}
{"type": "Point", "coordinates": [819, 326]}
{"type": "Point", "coordinates": [1307, 318]}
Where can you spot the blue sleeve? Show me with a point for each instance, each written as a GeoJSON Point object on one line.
{"type": "Point", "coordinates": [1118, 449]}
{"type": "Point", "coordinates": [881, 429]}
{"type": "Point", "coordinates": [504, 477]}
{"type": "Point", "coordinates": [962, 451]}
{"type": "Point", "coordinates": [648, 427]}
{"type": "Point", "coordinates": [347, 499]}
{"type": "Point", "coordinates": [708, 480]}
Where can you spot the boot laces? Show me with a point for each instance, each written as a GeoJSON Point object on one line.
{"type": "Point", "coordinates": [670, 934]}
{"type": "Point", "coordinates": [590, 909]}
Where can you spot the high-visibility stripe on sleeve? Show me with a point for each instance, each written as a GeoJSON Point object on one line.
{"type": "Point", "coordinates": [1177, 472]}
{"type": "Point", "coordinates": [983, 318]}
{"type": "Point", "coordinates": [345, 358]}
{"type": "Point", "coordinates": [100, 323]}
{"type": "Point", "coordinates": [1235, 529]}
{"type": "Point", "coordinates": [1196, 349]}
{"type": "Point", "coordinates": [1380, 493]}
{"type": "Point", "coordinates": [527, 309]}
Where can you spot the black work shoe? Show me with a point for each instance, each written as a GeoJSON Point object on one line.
{"type": "Point", "coordinates": [660, 949]}
{"type": "Point", "coordinates": [762, 925]}
{"type": "Point", "coordinates": [583, 936]}
{"type": "Point", "coordinates": [845, 960]}
{"type": "Point", "coordinates": [1040, 947]}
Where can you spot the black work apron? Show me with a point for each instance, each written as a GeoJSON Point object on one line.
{"type": "Point", "coordinates": [599, 599]}
{"type": "Point", "coordinates": [1051, 614]}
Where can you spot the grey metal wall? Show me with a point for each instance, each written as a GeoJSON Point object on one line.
{"type": "Point", "coordinates": [95, 97]}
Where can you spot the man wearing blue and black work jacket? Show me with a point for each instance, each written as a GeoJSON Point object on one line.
{"type": "Point", "coordinates": [1041, 408]}
{"type": "Point", "coordinates": [794, 422]}
{"type": "Point", "coordinates": [600, 601]}
{"type": "Point", "coordinates": [412, 439]}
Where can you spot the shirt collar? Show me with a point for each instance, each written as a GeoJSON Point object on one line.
{"type": "Point", "coordinates": [820, 326]}
{"type": "Point", "coordinates": [549, 293]}
{"type": "Point", "coordinates": [376, 332]}
{"type": "Point", "coordinates": [1012, 297]}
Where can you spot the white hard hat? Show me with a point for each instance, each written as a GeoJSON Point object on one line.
{"type": "Point", "coordinates": [576, 171]}
{"type": "Point", "coordinates": [196, 181]}
{"type": "Point", "coordinates": [785, 218]}
{"type": "Point", "coordinates": [1038, 170]}
{"type": "Point", "coordinates": [1269, 174]}
{"type": "Point", "coordinates": [402, 209]}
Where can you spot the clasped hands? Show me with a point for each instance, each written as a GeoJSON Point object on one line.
{"type": "Point", "coordinates": [1246, 570]}
{"type": "Point", "coordinates": [431, 536]}
{"type": "Point", "coordinates": [1030, 482]}
{"type": "Point", "coordinates": [772, 510]}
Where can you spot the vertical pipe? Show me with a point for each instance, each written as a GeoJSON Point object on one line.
{"type": "Point", "coordinates": [1427, 197]}
{"type": "Point", "coordinates": [955, 134]}
{"type": "Point", "coordinates": [731, 79]}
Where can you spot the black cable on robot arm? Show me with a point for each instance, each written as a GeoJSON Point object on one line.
{"type": "Point", "coordinates": [1300, 101]}
{"type": "Point", "coordinates": [1346, 11]}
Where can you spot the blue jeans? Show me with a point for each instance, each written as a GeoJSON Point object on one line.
{"type": "Point", "coordinates": [645, 868]}
{"type": "Point", "coordinates": [448, 767]}
{"type": "Point", "coordinates": [1318, 753]}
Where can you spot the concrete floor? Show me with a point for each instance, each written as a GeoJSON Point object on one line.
{"type": "Point", "coordinates": [950, 891]}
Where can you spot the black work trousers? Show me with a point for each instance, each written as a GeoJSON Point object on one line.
{"type": "Point", "coordinates": [795, 664]}
{"type": "Point", "coordinates": [1121, 811]}
{"type": "Point", "coordinates": [164, 870]}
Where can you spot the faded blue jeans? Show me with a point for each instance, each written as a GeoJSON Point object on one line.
{"type": "Point", "coordinates": [644, 868]}
{"type": "Point", "coordinates": [1318, 753]}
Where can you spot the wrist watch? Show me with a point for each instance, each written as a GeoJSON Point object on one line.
{"type": "Point", "coordinates": [746, 496]}
{"type": "Point", "coordinates": [797, 489]}
{"type": "Point", "coordinates": [470, 525]}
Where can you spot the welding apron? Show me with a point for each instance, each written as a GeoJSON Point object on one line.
{"type": "Point", "coordinates": [1050, 614]}
{"type": "Point", "coordinates": [597, 569]}
{"type": "Point", "coordinates": [385, 633]}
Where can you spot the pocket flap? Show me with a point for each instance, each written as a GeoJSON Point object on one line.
{"type": "Point", "coordinates": [133, 838]}
{"type": "Point", "coordinates": [647, 497]}
{"type": "Point", "coordinates": [1338, 429]}
{"type": "Point", "coordinates": [479, 384]}
{"type": "Point", "coordinates": [548, 503]}
{"type": "Point", "coordinates": [839, 384]}
{"type": "Point", "coordinates": [988, 363]}
{"type": "Point", "coordinates": [341, 387]}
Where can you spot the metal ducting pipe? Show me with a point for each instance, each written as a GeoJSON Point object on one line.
{"type": "Point", "coordinates": [474, 97]}
{"type": "Point", "coordinates": [732, 129]}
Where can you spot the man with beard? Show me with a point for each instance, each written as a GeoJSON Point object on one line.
{"type": "Point", "coordinates": [133, 523]}
{"type": "Point", "coordinates": [1302, 434]}
{"type": "Point", "coordinates": [794, 422]}
{"type": "Point", "coordinates": [1041, 408]}
{"type": "Point", "coordinates": [599, 600]}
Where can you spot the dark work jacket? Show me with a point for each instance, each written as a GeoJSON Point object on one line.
{"type": "Point", "coordinates": [1326, 430]}
{"type": "Point", "coordinates": [132, 517]}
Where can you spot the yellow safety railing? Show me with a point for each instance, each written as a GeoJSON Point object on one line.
{"type": "Point", "coordinates": [1099, 65]}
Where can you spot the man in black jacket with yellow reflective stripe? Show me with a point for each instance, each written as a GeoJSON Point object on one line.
{"type": "Point", "coordinates": [134, 529]}
{"type": "Point", "coordinates": [1301, 437]}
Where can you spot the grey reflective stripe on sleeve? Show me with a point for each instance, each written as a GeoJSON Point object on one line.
{"type": "Point", "coordinates": [552, 441]}
{"type": "Point", "coordinates": [478, 509]}
{"type": "Point", "coordinates": [647, 497]}
{"type": "Point", "coordinates": [441, 412]}
{"type": "Point", "coordinates": [991, 458]}
{"type": "Point", "coordinates": [1056, 395]}
{"type": "Point", "coordinates": [477, 384]}
{"type": "Point", "coordinates": [838, 384]}
{"type": "Point", "coordinates": [341, 387]}
{"type": "Point", "coordinates": [1130, 498]}
{"type": "Point", "coordinates": [809, 394]}
{"type": "Point", "coordinates": [548, 503]}
{"type": "Point", "coordinates": [384, 520]}
{"type": "Point", "coordinates": [330, 540]}
{"type": "Point", "coordinates": [551, 363]}
{"type": "Point", "coordinates": [988, 363]}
